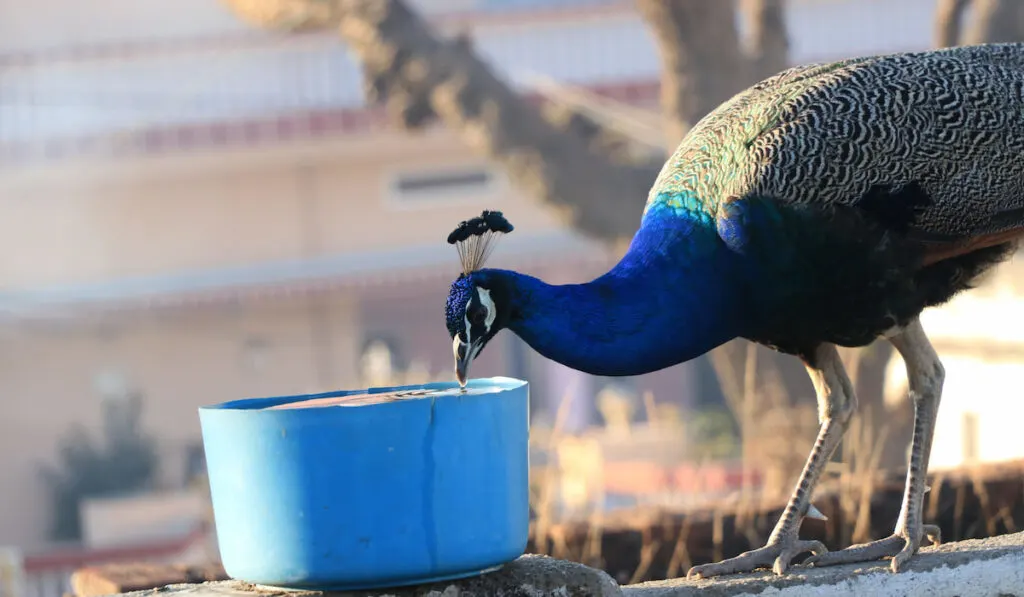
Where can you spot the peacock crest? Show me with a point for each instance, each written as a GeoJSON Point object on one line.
{"type": "Point", "coordinates": [475, 240]}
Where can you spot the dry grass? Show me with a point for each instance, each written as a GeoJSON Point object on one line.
{"type": "Point", "coordinates": [776, 438]}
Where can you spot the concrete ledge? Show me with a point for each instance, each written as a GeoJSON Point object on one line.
{"type": "Point", "coordinates": [981, 567]}
{"type": "Point", "coordinates": [529, 576]}
{"type": "Point", "coordinates": [989, 567]}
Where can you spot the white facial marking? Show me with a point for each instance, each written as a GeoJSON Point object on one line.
{"type": "Point", "coordinates": [487, 301]}
{"type": "Point", "coordinates": [492, 313]}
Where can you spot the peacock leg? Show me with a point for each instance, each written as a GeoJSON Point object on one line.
{"type": "Point", "coordinates": [925, 376]}
{"type": "Point", "coordinates": [836, 404]}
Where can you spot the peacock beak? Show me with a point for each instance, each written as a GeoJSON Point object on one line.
{"type": "Point", "coordinates": [462, 358]}
{"type": "Point", "coordinates": [461, 371]}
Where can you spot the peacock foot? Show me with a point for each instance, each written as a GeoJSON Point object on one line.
{"type": "Point", "coordinates": [776, 554]}
{"type": "Point", "coordinates": [900, 546]}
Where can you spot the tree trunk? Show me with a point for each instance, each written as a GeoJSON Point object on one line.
{"type": "Point", "coordinates": [949, 16]}
{"type": "Point", "coordinates": [703, 61]}
{"type": "Point", "coordinates": [992, 21]}
{"type": "Point", "coordinates": [768, 44]}
{"type": "Point", "coordinates": [996, 21]}
{"type": "Point", "coordinates": [700, 56]}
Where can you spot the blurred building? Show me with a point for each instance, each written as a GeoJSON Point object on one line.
{"type": "Point", "coordinates": [199, 211]}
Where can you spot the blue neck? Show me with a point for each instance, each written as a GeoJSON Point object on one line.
{"type": "Point", "coordinates": [664, 303]}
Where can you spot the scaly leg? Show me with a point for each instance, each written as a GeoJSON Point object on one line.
{"type": "Point", "coordinates": [836, 404]}
{"type": "Point", "coordinates": [925, 376]}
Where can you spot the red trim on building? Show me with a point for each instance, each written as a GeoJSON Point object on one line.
{"type": "Point", "coordinates": [255, 132]}
{"type": "Point", "coordinates": [65, 558]}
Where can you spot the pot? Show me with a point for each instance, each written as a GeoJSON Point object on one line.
{"type": "Point", "coordinates": [370, 488]}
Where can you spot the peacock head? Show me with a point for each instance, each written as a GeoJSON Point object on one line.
{"type": "Point", "coordinates": [477, 303]}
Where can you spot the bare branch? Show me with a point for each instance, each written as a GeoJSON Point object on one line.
{"type": "Point", "coordinates": [949, 15]}
{"type": "Point", "coordinates": [287, 15]}
{"type": "Point", "coordinates": [599, 197]}
{"type": "Point", "coordinates": [768, 42]}
{"type": "Point", "coordinates": [643, 126]}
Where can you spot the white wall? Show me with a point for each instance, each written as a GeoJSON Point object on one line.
{"type": "Point", "coordinates": [980, 339]}
{"type": "Point", "coordinates": [112, 522]}
{"type": "Point", "coordinates": [42, 25]}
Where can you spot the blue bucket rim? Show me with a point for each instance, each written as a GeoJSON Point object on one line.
{"type": "Point", "coordinates": [253, 404]}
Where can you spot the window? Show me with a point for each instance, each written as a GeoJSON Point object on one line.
{"type": "Point", "coordinates": [458, 184]}
{"type": "Point", "coordinates": [413, 185]}
{"type": "Point", "coordinates": [535, 4]}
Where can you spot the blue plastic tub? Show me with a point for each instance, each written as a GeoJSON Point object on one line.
{"type": "Point", "coordinates": [370, 493]}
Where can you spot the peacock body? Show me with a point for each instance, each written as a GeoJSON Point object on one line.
{"type": "Point", "coordinates": [827, 205]}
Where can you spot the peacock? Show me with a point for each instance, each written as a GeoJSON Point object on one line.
{"type": "Point", "coordinates": [825, 206]}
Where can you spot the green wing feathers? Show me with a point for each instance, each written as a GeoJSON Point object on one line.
{"type": "Point", "coordinates": [949, 121]}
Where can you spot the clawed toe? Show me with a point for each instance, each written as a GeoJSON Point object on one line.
{"type": "Point", "coordinates": [867, 552]}
{"type": "Point", "coordinates": [899, 547]}
{"type": "Point", "coordinates": [777, 556]}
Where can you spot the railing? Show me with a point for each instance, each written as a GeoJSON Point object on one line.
{"type": "Point", "coordinates": [92, 92]}
{"type": "Point", "coordinates": [91, 98]}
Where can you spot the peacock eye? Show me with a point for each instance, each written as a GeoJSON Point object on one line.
{"type": "Point", "coordinates": [478, 316]}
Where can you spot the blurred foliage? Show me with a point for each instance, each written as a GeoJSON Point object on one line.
{"type": "Point", "coordinates": [123, 460]}
{"type": "Point", "coordinates": [713, 433]}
